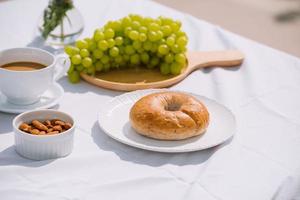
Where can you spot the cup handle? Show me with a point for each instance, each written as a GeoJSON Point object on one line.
{"type": "Point", "coordinates": [62, 64]}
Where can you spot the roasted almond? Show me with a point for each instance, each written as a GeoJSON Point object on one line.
{"type": "Point", "coordinates": [48, 123]}
{"type": "Point", "coordinates": [34, 131]}
{"type": "Point", "coordinates": [39, 125]}
{"type": "Point", "coordinates": [61, 123]}
{"type": "Point", "coordinates": [67, 125]}
{"type": "Point", "coordinates": [57, 128]}
{"type": "Point", "coordinates": [53, 132]}
{"type": "Point", "coordinates": [25, 127]}
{"type": "Point", "coordinates": [42, 132]}
{"type": "Point", "coordinates": [49, 130]}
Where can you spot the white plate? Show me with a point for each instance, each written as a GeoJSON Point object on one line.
{"type": "Point", "coordinates": [114, 121]}
{"type": "Point", "coordinates": [49, 99]}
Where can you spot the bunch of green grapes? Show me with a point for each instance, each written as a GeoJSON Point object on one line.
{"type": "Point", "coordinates": [131, 41]}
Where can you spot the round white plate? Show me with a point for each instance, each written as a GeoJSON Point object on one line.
{"type": "Point", "coordinates": [49, 99]}
{"type": "Point", "coordinates": [114, 121]}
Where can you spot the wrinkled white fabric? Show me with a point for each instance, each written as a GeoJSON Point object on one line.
{"type": "Point", "coordinates": [261, 162]}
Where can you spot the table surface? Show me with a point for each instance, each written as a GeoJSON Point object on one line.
{"type": "Point", "coordinates": [261, 162]}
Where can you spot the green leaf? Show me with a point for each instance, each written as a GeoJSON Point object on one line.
{"type": "Point", "coordinates": [54, 14]}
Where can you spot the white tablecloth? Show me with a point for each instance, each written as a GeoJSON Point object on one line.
{"type": "Point", "coordinates": [262, 161]}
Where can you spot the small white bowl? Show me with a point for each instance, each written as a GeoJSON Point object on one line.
{"type": "Point", "coordinates": [43, 147]}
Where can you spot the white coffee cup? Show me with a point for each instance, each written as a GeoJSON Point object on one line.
{"type": "Point", "coordinates": [26, 87]}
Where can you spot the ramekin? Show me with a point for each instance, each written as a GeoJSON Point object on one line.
{"type": "Point", "coordinates": [43, 147]}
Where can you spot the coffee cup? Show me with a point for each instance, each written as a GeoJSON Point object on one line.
{"type": "Point", "coordinates": [23, 87]}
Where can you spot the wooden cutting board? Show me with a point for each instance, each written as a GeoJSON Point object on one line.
{"type": "Point", "coordinates": [138, 78]}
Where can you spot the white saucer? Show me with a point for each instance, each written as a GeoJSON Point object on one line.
{"type": "Point", "coordinates": [114, 121]}
{"type": "Point", "coordinates": [49, 99]}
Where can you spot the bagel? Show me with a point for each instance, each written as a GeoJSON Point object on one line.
{"type": "Point", "coordinates": [169, 116]}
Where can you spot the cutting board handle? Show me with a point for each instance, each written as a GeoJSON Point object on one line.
{"type": "Point", "coordinates": [228, 58]}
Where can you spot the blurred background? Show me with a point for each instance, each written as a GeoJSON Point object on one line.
{"type": "Point", "coordinates": [275, 23]}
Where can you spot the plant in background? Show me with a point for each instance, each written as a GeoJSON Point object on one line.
{"type": "Point", "coordinates": [289, 15]}
{"type": "Point", "coordinates": [54, 15]}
